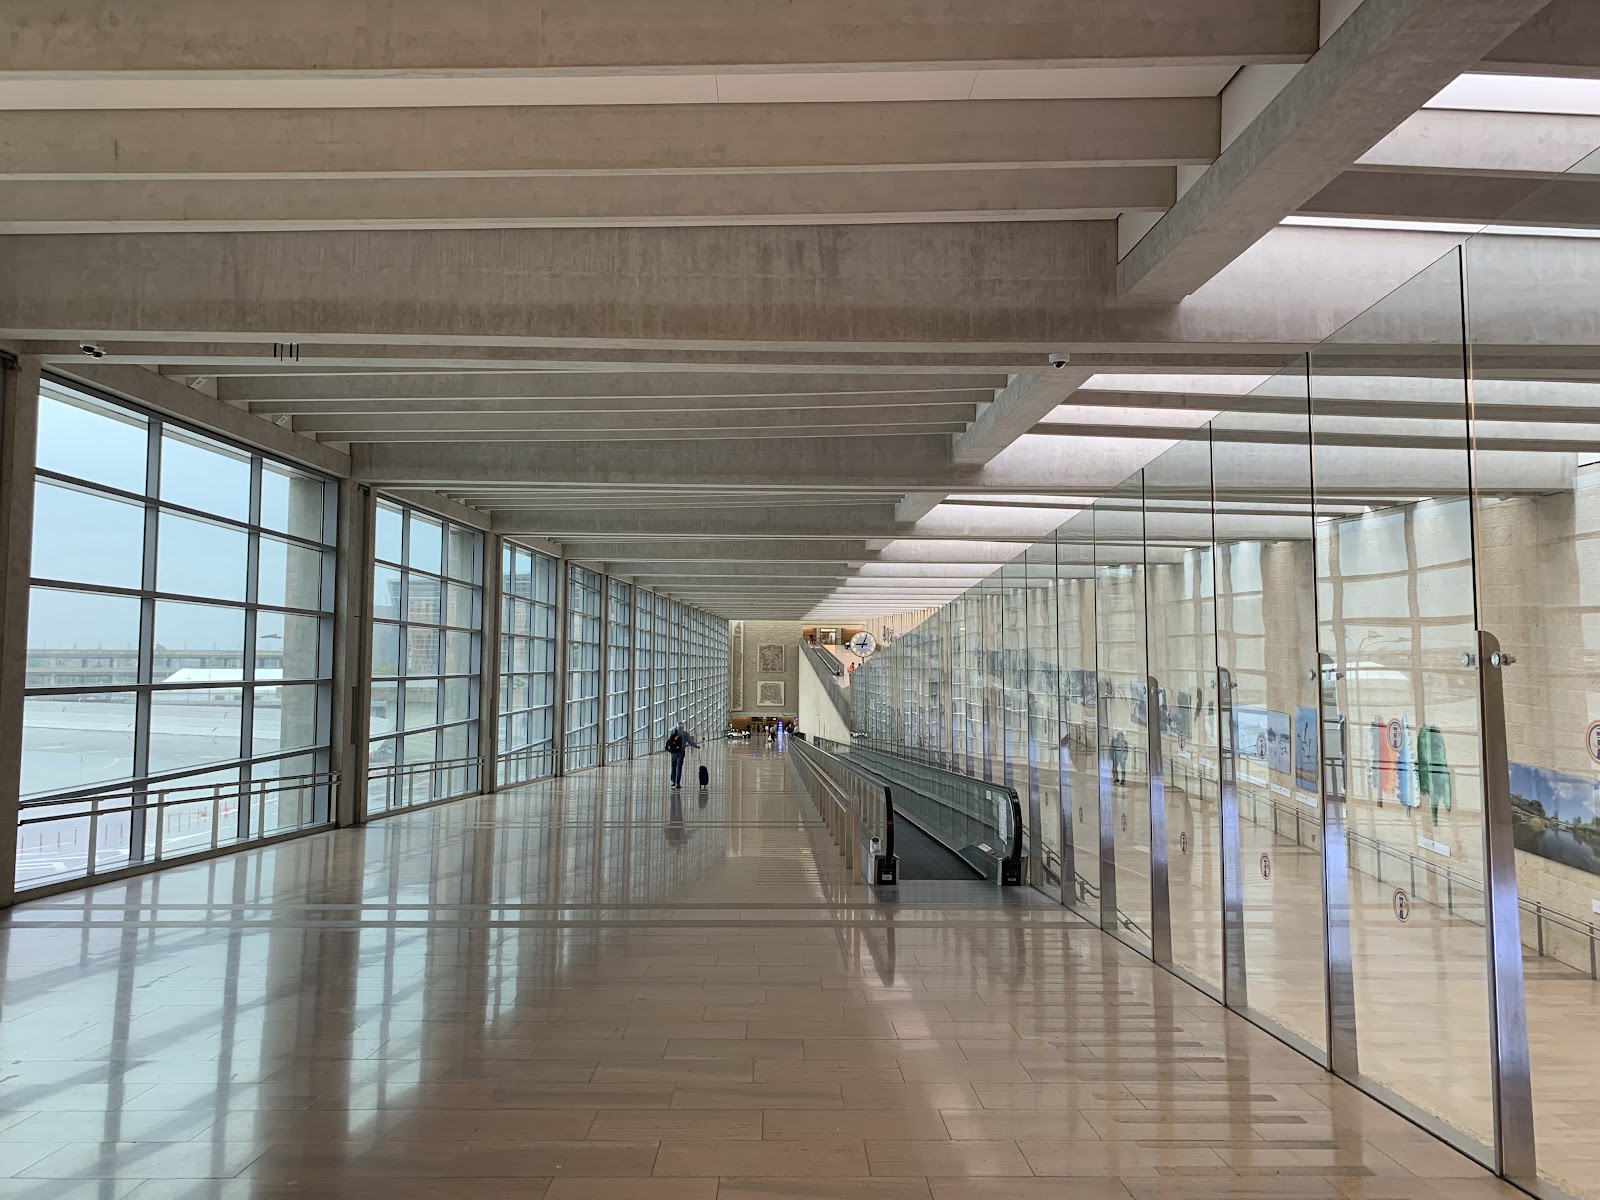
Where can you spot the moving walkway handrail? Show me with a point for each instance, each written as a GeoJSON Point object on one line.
{"type": "Point", "coordinates": [857, 818]}
{"type": "Point", "coordinates": [970, 798]}
{"type": "Point", "coordinates": [823, 659]}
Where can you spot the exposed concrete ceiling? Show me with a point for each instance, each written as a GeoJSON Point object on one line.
{"type": "Point", "coordinates": [752, 303]}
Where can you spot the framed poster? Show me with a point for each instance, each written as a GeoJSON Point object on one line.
{"type": "Point", "coordinates": [769, 658]}
{"type": "Point", "coordinates": [769, 693]}
{"type": "Point", "coordinates": [1305, 749]}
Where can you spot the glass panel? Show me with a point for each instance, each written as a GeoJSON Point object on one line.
{"type": "Point", "coordinates": [92, 440]}
{"type": "Point", "coordinates": [289, 646]}
{"type": "Point", "coordinates": [1042, 690]}
{"type": "Point", "coordinates": [1181, 603]}
{"type": "Point", "coordinates": [422, 650]}
{"type": "Point", "coordinates": [384, 714]}
{"type": "Point", "coordinates": [386, 593]}
{"type": "Point", "coordinates": [293, 502]}
{"type": "Point", "coordinates": [1536, 458]}
{"type": "Point", "coordinates": [1395, 608]}
{"type": "Point", "coordinates": [197, 643]}
{"type": "Point", "coordinates": [289, 805]}
{"type": "Point", "coordinates": [427, 544]}
{"type": "Point", "coordinates": [1120, 626]}
{"type": "Point", "coordinates": [385, 649]}
{"type": "Point", "coordinates": [1266, 635]}
{"type": "Point", "coordinates": [458, 656]}
{"type": "Point", "coordinates": [198, 558]}
{"type": "Point", "coordinates": [422, 598]}
{"type": "Point", "coordinates": [1080, 734]}
{"type": "Point", "coordinates": [82, 537]}
{"type": "Point", "coordinates": [286, 718]}
{"type": "Point", "coordinates": [193, 727]}
{"type": "Point", "coordinates": [389, 536]}
{"type": "Point", "coordinates": [71, 742]}
{"type": "Point", "coordinates": [81, 639]}
{"type": "Point", "coordinates": [290, 574]}
{"type": "Point", "coordinates": [422, 704]}
{"type": "Point", "coordinates": [463, 553]}
{"type": "Point", "coordinates": [457, 699]}
{"type": "Point", "coordinates": [201, 474]}
{"type": "Point", "coordinates": [458, 606]}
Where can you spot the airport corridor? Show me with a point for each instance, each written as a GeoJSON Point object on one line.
{"type": "Point", "coordinates": [595, 988]}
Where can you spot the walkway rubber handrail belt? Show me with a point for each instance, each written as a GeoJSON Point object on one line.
{"type": "Point", "coordinates": [819, 761]}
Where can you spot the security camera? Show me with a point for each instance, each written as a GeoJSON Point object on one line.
{"type": "Point", "coordinates": [1060, 360]}
{"type": "Point", "coordinates": [92, 350]}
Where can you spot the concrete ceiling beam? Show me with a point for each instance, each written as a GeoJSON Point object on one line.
{"type": "Point", "coordinates": [832, 404]}
{"type": "Point", "coordinates": [568, 202]}
{"type": "Point", "coordinates": [368, 426]}
{"type": "Point", "coordinates": [1378, 68]}
{"type": "Point", "coordinates": [1562, 39]}
{"type": "Point", "coordinates": [1388, 195]}
{"type": "Point", "coordinates": [392, 387]}
{"type": "Point", "coordinates": [414, 145]}
{"type": "Point", "coordinates": [719, 521]}
{"type": "Point", "coordinates": [811, 428]}
{"type": "Point", "coordinates": [1017, 408]}
{"type": "Point", "coordinates": [830, 551]}
{"type": "Point", "coordinates": [1536, 145]}
{"type": "Point", "coordinates": [582, 36]}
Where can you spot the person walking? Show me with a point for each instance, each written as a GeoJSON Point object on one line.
{"type": "Point", "coordinates": [678, 743]}
{"type": "Point", "coordinates": [1119, 758]}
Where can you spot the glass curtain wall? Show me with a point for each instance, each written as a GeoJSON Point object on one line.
{"type": "Point", "coordinates": [427, 607]}
{"type": "Point", "coordinates": [659, 668]}
{"type": "Point", "coordinates": [644, 624]}
{"type": "Point", "coordinates": [179, 643]}
{"type": "Point", "coordinates": [581, 748]}
{"type": "Point", "coordinates": [619, 659]}
{"type": "Point", "coordinates": [1326, 676]}
{"type": "Point", "coordinates": [527, 666]}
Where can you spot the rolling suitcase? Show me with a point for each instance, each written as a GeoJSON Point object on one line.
{"type": "Point", "coordinates": [705, 776]}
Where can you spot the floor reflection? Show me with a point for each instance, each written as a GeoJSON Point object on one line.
{"type": "Point", "coordinates": [597, 988]}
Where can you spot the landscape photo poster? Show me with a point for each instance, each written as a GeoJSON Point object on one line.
{"type": "Point", "coordinates": [769, 693]}
{"type": "Point", "coordinates": [769, 658]}
{"type": "Point", "coordinates": [1305, 749]}
{"type": "Point", "coordinates": [1556, 815]}
{"type": "Point", "coordinates": [1263, 735]}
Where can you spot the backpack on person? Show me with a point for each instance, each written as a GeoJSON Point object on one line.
{"type": "Point", "coordinates": [675, 742]}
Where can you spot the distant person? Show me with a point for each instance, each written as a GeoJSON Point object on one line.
{"type": "Point", "coordinates": [1119, 758]}
{"type": "Point", "coordinates": [678, 743]}
{"type": "Point", "coordinates": [851, 669]}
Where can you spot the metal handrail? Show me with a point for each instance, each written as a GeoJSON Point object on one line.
{"type": "Point", "coordinates": [1014, 841]}
{"type": "Point", "coordinates": [825, 660]}
{"type": "Point", "coordinates": [154, 804]}
{"type": "Point", "coordinates": [816, 758]}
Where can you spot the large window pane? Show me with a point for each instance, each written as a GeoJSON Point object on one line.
{"type": "Point", "coordinates": [82, 639]}
{"type": "Point", "coordinates": [198, 643]}
{"type": "Point", "coordinates": [199, 473]}
{"type": "Point", "coordinates": [291, 575]}
{"type": "Point", "coordinates": [293, 502]}
{"type": "Point", "coordinates": [289, 646]}
{"type": "Point", "coordinates": [82, 537]}
{"type": "Point", "coordinates": [1402, 668]}
{"type": "Point", "coordinates": [192, 727]}
{"type": "Point", "coordinates": [199, 558]}
{"type": "Point", "coordinates": [72, 742]}
{"type": "Point", "coordinates": [91, 440]}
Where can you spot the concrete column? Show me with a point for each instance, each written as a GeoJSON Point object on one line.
{"type": "Point", "coordinates": [352, 652]}
{"type": "Point", "coordinates": [489, 663]}
{"type": "Point", "coordinates": [19, 432]}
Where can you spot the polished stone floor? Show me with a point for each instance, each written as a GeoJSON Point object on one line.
{"type": "Point", "coordinates": [586, 990]}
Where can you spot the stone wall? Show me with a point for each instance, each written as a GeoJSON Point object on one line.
{"type": "Point", "coordinates": [746, 667]}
